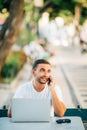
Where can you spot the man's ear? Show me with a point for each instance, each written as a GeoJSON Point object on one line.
{"type": "Point", "coordinates": [33, 71]}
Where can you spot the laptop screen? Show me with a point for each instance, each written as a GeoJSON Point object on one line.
{"type": "Point", "coordinates": [30, 109]}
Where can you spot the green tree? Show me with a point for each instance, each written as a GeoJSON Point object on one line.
{"type": "Point", "coordinates": [69, 9]}
{"type": "Point", "coordinates": [10, 29]}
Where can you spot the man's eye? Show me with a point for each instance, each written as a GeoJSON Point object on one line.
{"type": "Point", "coordinates": [41, 70]}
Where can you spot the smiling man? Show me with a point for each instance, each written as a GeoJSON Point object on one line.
{"type": "Point", "coordinates": [42, 86]}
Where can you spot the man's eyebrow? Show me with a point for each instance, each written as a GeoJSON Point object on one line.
{"type": "Point", "coordinates": [42, 68]}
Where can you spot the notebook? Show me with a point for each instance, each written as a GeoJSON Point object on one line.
{"type": "Point", "coordinates": [31, 110]}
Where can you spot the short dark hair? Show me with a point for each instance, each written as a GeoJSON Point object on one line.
{"type": "Point", "coordinates": [40, 61]}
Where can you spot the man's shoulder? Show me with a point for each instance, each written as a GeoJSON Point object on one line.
{"type": "Point", "coordinates": [22, 90]}
{"type": "Point", "coordinates": [27, 84]}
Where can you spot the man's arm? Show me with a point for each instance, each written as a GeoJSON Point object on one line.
{"type": "Point", "coordinates": [59, 107]}
{"type": "Point", "coordinates": [9, 112]}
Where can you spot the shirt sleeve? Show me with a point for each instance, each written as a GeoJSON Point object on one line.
{"type": "Point", "coordinates": [59, 93]}
{"type": "Point", "coordinates": [20, 92]}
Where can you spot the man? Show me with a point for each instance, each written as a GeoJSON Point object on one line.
{"type": "Point", "coordinates": [42, 86]}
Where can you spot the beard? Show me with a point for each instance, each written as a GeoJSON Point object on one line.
{"type": "Point", "coordinates": [43, 80]}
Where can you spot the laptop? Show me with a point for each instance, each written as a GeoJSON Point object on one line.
{"type": "Point", "coordinates": [30, 110]}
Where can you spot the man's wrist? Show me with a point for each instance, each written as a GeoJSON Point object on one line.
{"type": "Point", "coordinates": [52, 88]}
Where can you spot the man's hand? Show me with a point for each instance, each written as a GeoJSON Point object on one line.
{"type": "Point", "coordinates": [51, 82]}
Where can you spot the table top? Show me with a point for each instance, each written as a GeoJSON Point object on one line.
{"type": "Point", "coordinates": [76, 123]}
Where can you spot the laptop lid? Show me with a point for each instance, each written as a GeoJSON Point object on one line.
{"type": "Point", "coordinates": [30, 110]}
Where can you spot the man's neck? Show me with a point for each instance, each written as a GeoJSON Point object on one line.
{"type": "Point", "coordinates": [38, 87]}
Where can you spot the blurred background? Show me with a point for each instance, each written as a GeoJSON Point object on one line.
{"type": "Point", "coordinates": [55, 30]}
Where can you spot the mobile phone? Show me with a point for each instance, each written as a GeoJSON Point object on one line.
{"type": "Point", "coordinates": [49, 81]}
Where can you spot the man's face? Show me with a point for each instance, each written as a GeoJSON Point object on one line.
{"type": "Point", "coordinates": [42, 73]}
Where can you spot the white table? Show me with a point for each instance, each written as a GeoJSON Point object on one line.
{"type": "Point", "coordinates": [76, 124]}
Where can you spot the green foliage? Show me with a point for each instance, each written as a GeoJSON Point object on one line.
{"type": "Point", "coordinates": [13, 64]}
{"type": "Point", "coordinates": [1, 5]}
{"type": "Point", "coordinates": [57, 1]}
{"type": "Point", "coordinates": [66, 15]}
{"type": "Point", "coordinates": [83, 16]}
{"type": "Point", "coordinates": [4, 4]}
{"type": "Point", "coordinates": [79, 1]}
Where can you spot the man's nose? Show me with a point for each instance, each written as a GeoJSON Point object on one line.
{"type": "Point", "coordinates": [47, 74]}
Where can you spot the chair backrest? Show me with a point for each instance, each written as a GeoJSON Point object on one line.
{"type": "Point", "coordinates": [77, 112]}
{"type": "Point", "coordinates": [3, 112]}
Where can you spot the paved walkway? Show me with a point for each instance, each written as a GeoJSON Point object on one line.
{"type": "Point", "coordinates": [74, 68]}
{"type": "Point", "coordinates": [76, 76]}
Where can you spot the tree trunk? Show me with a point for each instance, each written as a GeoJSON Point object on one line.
{"type": "Point", "coordinates": [10, 29]}
{"type": "Point", "coordinates": [78, 9]}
